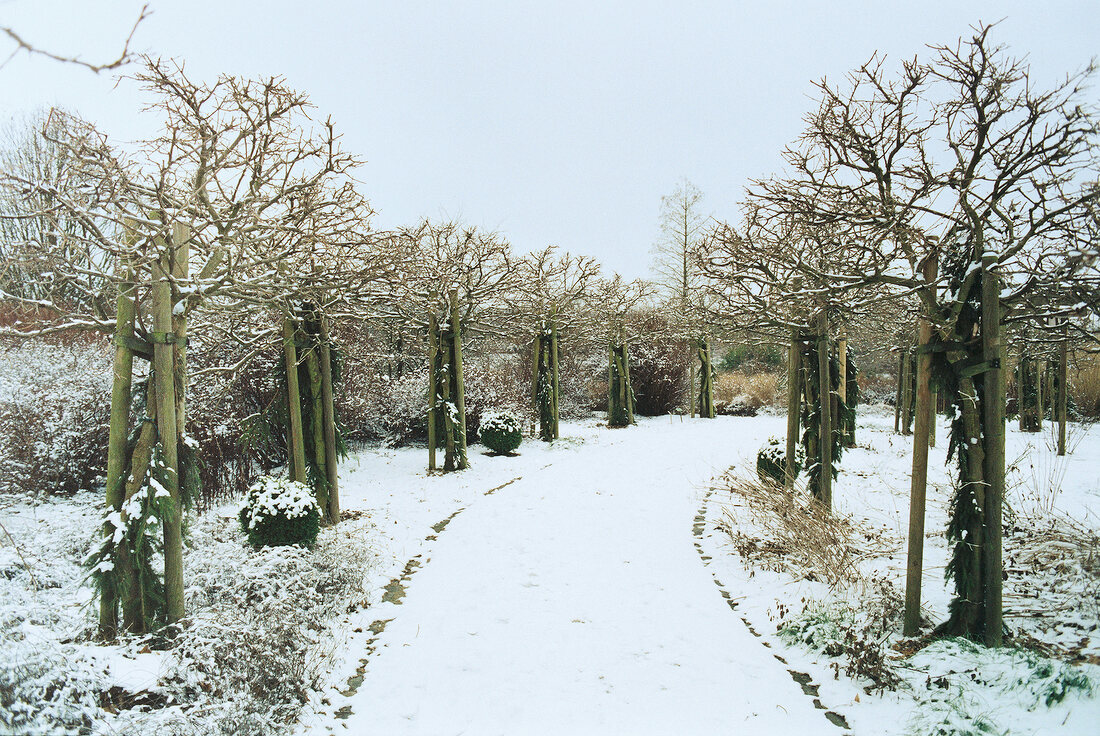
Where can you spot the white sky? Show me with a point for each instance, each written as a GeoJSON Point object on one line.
{"type": "Point", "coordinates": [552, 122]}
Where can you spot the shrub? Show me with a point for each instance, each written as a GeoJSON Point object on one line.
{"type": "Point", "coordinates": [500, 432]}
{"type": "Point", "coordinates": [771, 460]}
{"type": "Point", "coordinates": [279, 511]}
{"type": "Point", "coordinates": [769, 356]}
{"type": "Point", "coordinates": [55, 402]}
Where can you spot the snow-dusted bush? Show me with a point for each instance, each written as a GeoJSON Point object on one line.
{"type": "Point", "coordinates": [55, 402]}
{"type": "Point", "coordinates": [500, 432]}
{"type": "Point", "coordinates": [261, 634]}
{"type": "Point", "coordinates": [46, 689]}
{"type": "Point", "coordinates": [280, 511]}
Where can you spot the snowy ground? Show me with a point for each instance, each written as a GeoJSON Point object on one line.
{"type": "Point", "coordinates": [588, 587]}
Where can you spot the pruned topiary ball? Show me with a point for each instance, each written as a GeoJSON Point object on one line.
{"type": "Point", "coordinates": [500, 432]}
{"type": "Point", "coordinates": [280, 511]}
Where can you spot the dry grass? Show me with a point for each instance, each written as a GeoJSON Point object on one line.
{"type": "Point", "coordinates": [1084, 385]}
{"type": "Point", "coordinates": [784, 530]}
{"type": "Point", "coordinates": [752, 390]}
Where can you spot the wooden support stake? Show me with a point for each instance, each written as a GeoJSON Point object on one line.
{"type": "Point", "coordinates": [794, 404]}
{"type": "Point", "coordinates": [328, 407]}
{"type": "Point", "coordinates": [993, 440]}
{"type": "Point", "coordinates": [164, 375]}
{"type": "Point", "coordinates": [825, 431]}
{"type": "Point", "coordinates": [296, 447]}
{"type": "Point", "coordinates": [460, 391]}
{"type": "Point", "coordinates": [121, 388]}
{"type": "Point", "coordinates": [1062, 388]}
{"type": "Point", "coordinates": [433, 385]}
{"type": "Point", "coordinates": [919, 479]}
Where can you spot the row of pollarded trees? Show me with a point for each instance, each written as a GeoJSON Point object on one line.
{"type": "Point", "coordinates": [239, 232]}
{"type": "Point", "coordinates": [956, 186]}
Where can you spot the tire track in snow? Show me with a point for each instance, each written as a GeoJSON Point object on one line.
{"type": "Point", "coordinates": [804, 680]}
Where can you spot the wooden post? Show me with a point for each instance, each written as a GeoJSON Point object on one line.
{"type": "Point", "coordinates": [1061, 408]}
{"type": "Point", "coordinates": [295, 441]}
{"type": "Point", "coordinates": [907, 394]}
{"type": "Point", "coordinates": [433, 384]}
{"type": "Point", "coordinates": [900, 391]}
{"type": "Point", "coordinates": [446, 342]}
{"type": "Point", "coordinates": [328, 407]}
{"type": "Point", "coordinates": [691, 381]}
{"type": "Point", "coordinates": [164, 370]}
{"type": "Point", "coordinates": [628, 389]}
{"type": "Point", "coordinates": [825, 426]}
{"type": "Point", "coordinates": [993, 440]}
{"type": "Point", "coordinates": [794, 394]}
{"type": "Point", "coordinates": [316, 425]}
{"type": "Point", "coordinates": [555, 385]}
{"type": "Point", "coordinates": [121, 388]}
{"type": "Point", "coordinates": [842, 361]}
{"type": "Point", "coordinates": [919, 480]}
{"type": "Point", "coordinates": [181, 270]}
{"type": "Point", "coordinates": [460, 391]}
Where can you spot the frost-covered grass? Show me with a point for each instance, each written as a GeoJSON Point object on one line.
{"type": "Point", "coordinates": [262, 628]}
{"type": "Point", "coordinates": [844, 628]}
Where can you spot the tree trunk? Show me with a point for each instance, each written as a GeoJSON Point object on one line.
{"type": "Point", "coordinates": [328, 406]}
{"type": "Point", "coordinates": [164, 375]}
{"type": "Point", "coordinates": [794, 393]}
{"type": "Point", "coordinates": [825, 478]}
{"type": "Point", "coordinates": [296, 448]}
{"type": "Point", "coordinates": [919, 480]}
{"type": "Point", "coordinates": [993, 441]}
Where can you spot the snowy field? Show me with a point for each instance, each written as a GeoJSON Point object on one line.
{"type": "Point", "coordinates": [594, 587]}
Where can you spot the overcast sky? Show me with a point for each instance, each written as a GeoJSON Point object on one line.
{"type": "Point", "coordinates": [551, 122]}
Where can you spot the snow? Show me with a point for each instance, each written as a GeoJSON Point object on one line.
{"type": "Point", "coordinates": [573, 601]}
{"type": "Point", "coordinates": [562, 591]}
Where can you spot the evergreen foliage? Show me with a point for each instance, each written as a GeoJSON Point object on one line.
{"type": "Point", "coordinates": [278, 512]}
{"type": "Point", "coordinates": [500, 432]}
{"type": "Point", "coordinates": [771, 461]}
{"type": "Point", "coordinates": [844, 415]}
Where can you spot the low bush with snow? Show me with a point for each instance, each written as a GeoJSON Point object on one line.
{"type": "Point", "coordinates": [280, 511]}
{"type": "Point", "coordinates": [500, 432]}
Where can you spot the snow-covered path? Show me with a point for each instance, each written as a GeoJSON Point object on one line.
{"type": "Point", "coordinates": [573, 601]}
